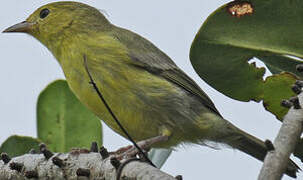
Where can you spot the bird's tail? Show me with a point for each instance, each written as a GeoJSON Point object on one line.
{"type": "Point", "coordinates": [253, 146]}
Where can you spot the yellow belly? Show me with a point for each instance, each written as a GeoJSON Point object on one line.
{"type": "Point", "coordinates": [135, 100]}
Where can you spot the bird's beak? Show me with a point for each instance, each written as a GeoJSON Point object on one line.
{"type": "Point", "coordinates": [20, 27]}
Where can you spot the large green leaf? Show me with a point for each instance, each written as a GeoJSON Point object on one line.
{"type": "Point", "coordinates": [19, 145]}
{"type": "Point", "coordinates": [241, 30]}
{"type": "Point", "coordinates": [63, 121]}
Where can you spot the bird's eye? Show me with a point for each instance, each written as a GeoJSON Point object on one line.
{"type": "Point", "coordinates": [44, 13]}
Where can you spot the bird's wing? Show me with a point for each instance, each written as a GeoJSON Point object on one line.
{"type": "Point", "coordinates": [147, 56]}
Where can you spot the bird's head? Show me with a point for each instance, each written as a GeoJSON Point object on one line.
{"type": "Point", "coordinates": [57, 20]}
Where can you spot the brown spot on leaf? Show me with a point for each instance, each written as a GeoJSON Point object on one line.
{"type": "Point", "coordinates": [240, 8]}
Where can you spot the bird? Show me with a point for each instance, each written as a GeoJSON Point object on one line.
{"type": "Point", "coordinates": [157, 103]}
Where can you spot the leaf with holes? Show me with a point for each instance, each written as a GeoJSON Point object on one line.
{"type": "Point", "coordinates": [241, 30]}
{"type": "Point", "coordinates": [18, 145]}
{"type": "Point", "coordinates": [63, 121]}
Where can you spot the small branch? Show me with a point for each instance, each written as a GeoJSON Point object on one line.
{"type": "Point", "coordinates": [276, 161]}
{"type": "Point", "coordinates": [76, 164]}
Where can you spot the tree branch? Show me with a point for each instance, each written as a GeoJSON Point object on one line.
{"type": "Point", "coordinates": [75, 165]}
{"type": "Point", "coordinates": [277, 160]}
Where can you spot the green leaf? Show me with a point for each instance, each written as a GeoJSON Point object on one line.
{"type": "Point", "coordinates": [277, 87]}
{"type": "Point", "coordinates": [18, 145]}
{"type": "Point", "coordinates": [159, 156]}
{"type": "Point", "coordinates": [63, 121]}
{"type": "Point", "coordinates": [241, 30]}
{"type": "Point", "coordinates": [278, 64]}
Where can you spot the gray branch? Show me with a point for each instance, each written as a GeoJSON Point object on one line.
{"type": "Point", "coordinates": [276, 161]}
{"type": "Point", "coordinates": [76, 165]}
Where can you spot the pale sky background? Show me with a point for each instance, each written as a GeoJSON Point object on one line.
{"type": "Point", "coordinates": [27, 67]}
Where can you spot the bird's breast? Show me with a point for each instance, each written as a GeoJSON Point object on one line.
{"type": "Point", "coordinates": [135, 96]}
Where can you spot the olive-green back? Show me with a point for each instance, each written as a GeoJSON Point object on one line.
{"type": "Point", "coordinates": [147, 56]}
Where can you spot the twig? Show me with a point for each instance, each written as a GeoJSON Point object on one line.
{"type": "Point", "coordinates": [276, 161]}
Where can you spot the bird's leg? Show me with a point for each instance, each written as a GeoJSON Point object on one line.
{"type": "Point", "coordinates": [131, 151]}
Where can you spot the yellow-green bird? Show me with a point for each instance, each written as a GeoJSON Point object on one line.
{"type": "Point", "coordinates": [152, 97]}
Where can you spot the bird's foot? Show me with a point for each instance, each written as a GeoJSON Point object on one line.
{"type": "Point", "coordinates": [145, 145]}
